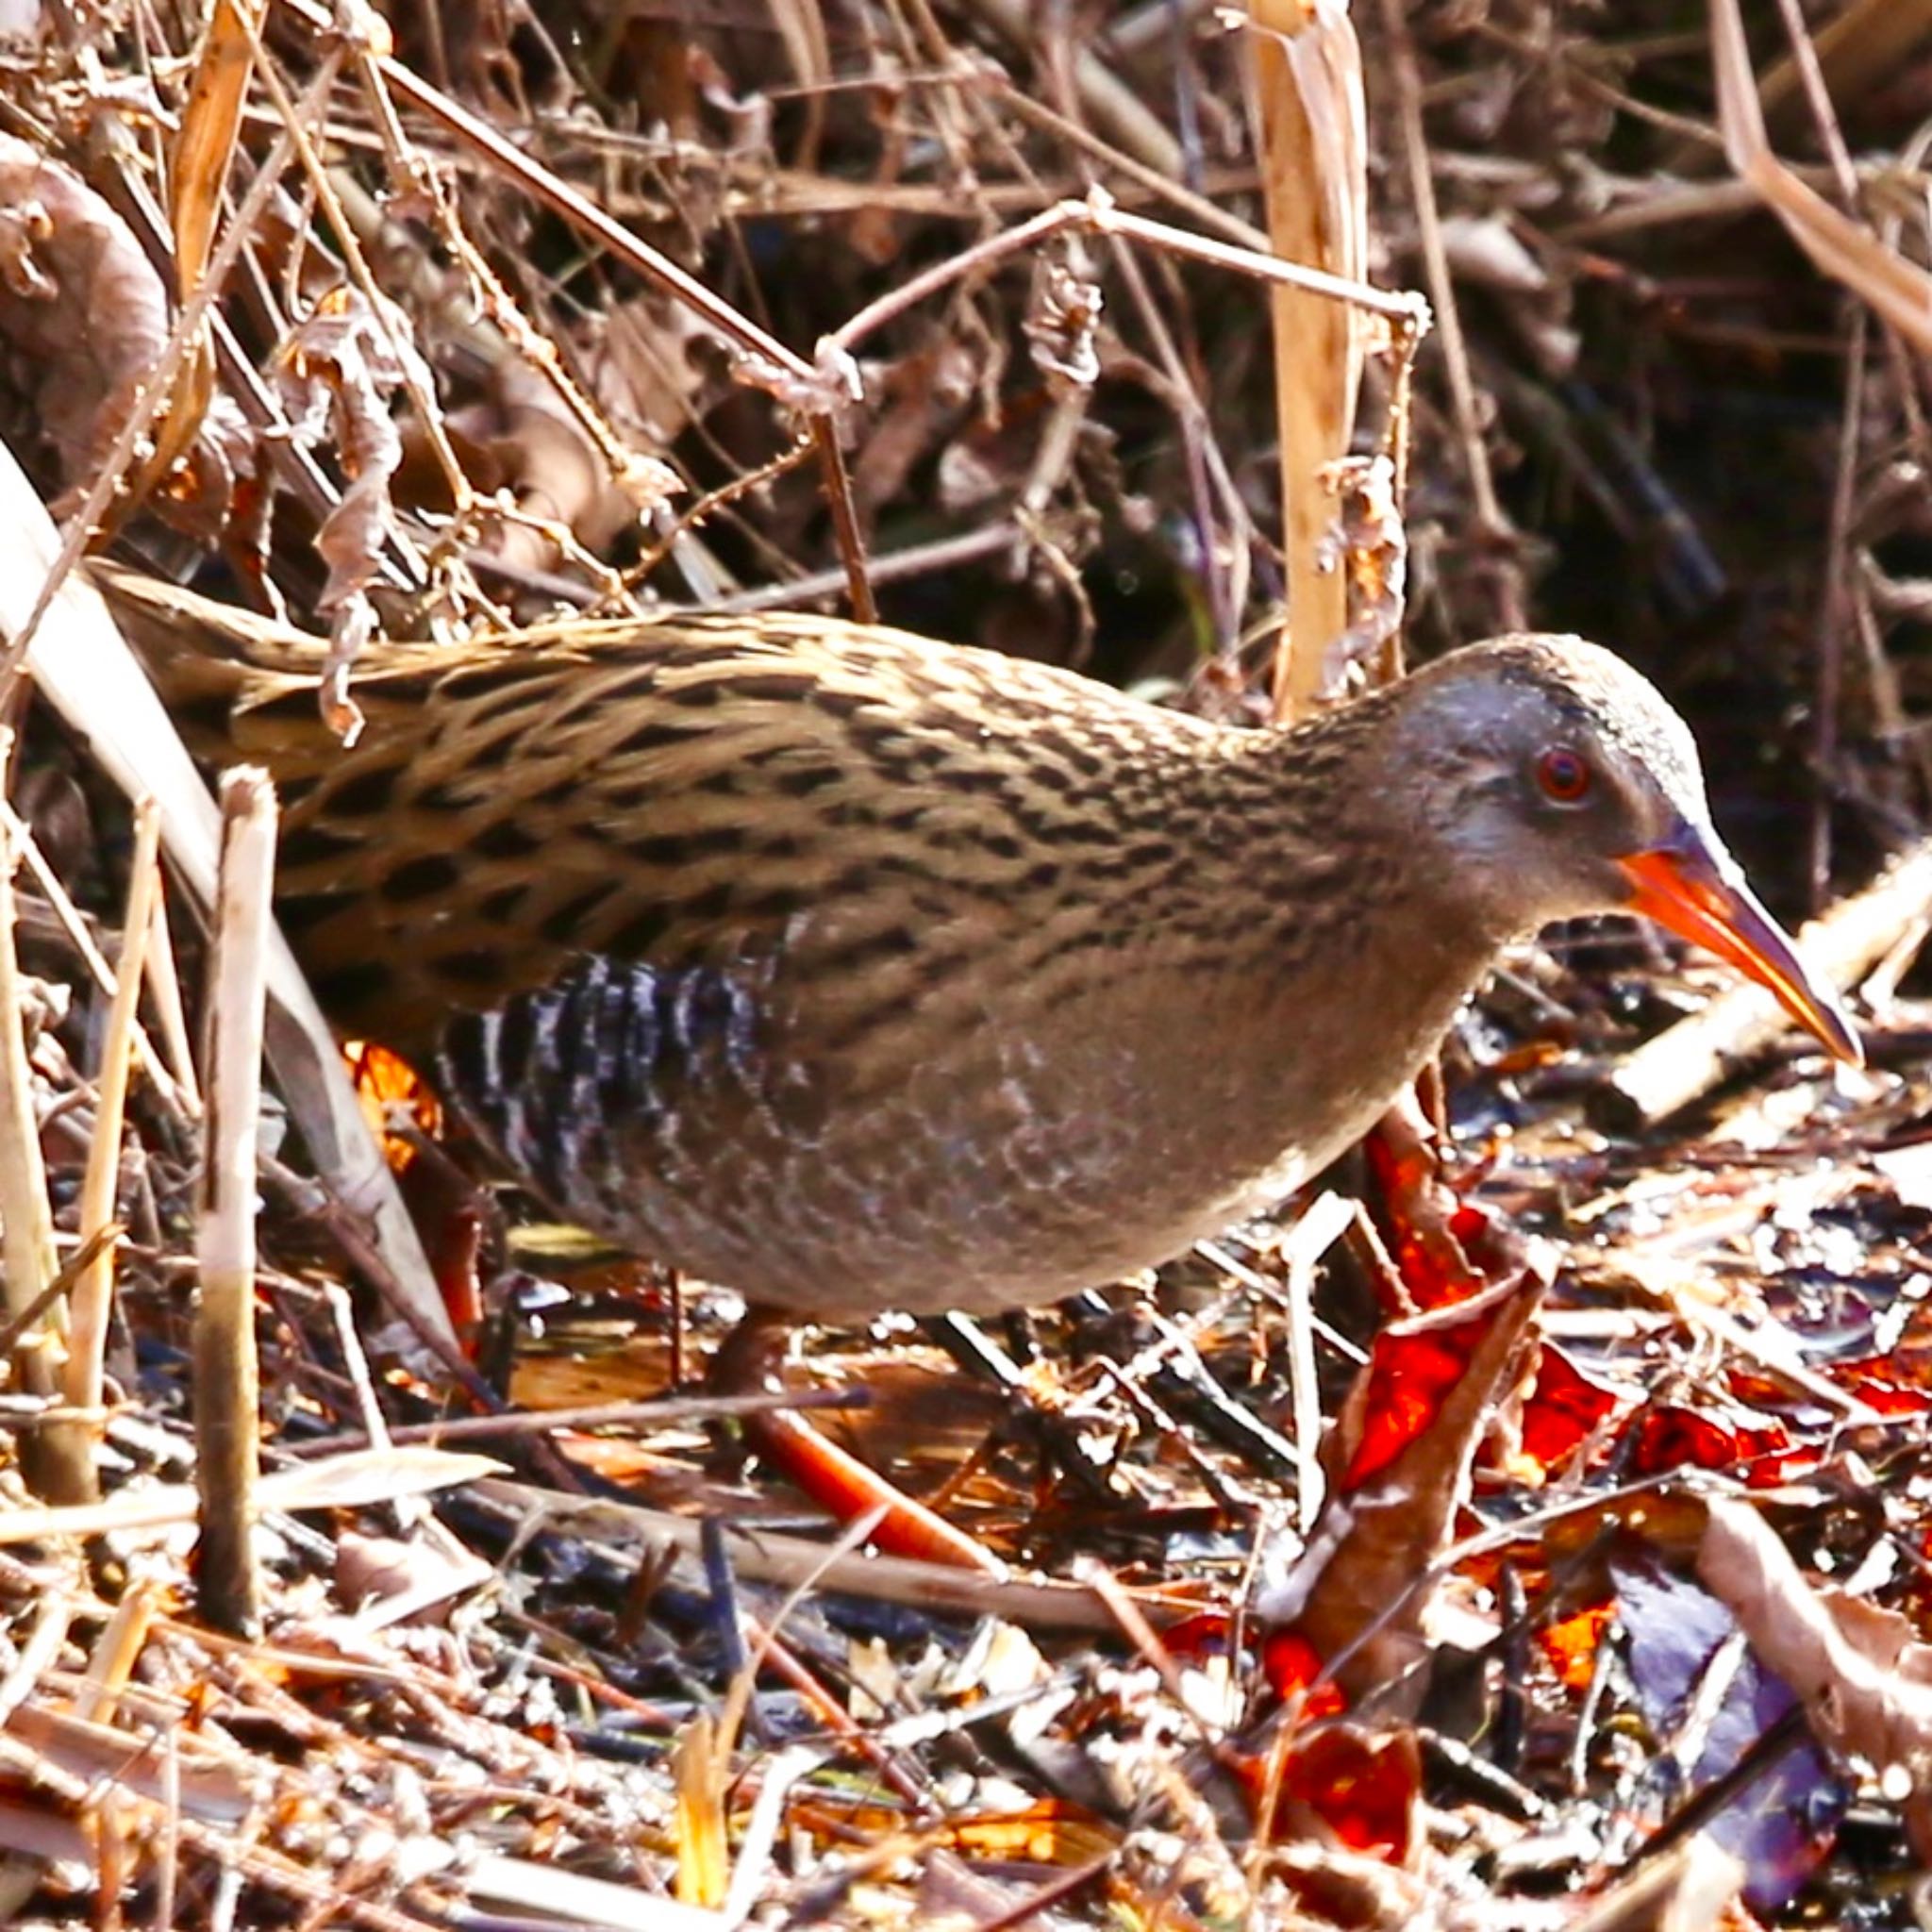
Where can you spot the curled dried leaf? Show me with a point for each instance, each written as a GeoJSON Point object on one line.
{"type": "Point", "coordinates": [338, 371]}
{"type": "Point", "coordinates": [1063, 322]}
{"type": "Point", "coordinates": [83, 315]}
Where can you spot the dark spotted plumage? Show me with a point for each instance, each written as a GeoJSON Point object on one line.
{"type": "Point", "coordinates": [854, 971]}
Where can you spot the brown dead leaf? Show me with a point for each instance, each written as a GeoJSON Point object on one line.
{"type": "Point", "coordinates": [1352, 1889]}
{"type": "Point", "coordinates": [83, 315]}
{"type": "Point", "coordinates": [1863, 1676]}
{"type": "Point", "coordinates": [84, 318]}
{"type": "Point", "coordinates": [529, 439]}
{"type": "Point", "coordinates": [338, 371]}
{"type": "Point", "coordinates": [405, 1579]}
{"type": "Point", "coordinates": [1691, 1888]}
{"type": "Point", "coordinates": [923, 396]}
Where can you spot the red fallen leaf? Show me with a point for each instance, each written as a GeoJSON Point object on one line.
{"type": "Point", "coordinates": [447, 1208]}
{"type": "Point", "coordinates": [1433, 1239]}
{"type": "Point", "coordinates": [1203, 1635]}
{"type": "Point", "coordinates": [1570, 1645]}
{"type": "Point", "coordinates": [1408, 1375]}
{"type": "Point", "coordinates": [1411, 1369]}
{"type": "Point", "coordinates": [1767, 1472]}
{"type": "Point", "coordinates": [1565, 1408]}
{"type": "Point", "coordinates": [444, 1203]}
{"type": "Point", "coordinates": [1366, 1789]}
{"type": "Point", "coordinates": [1668, 1435]}
{"type": "Point", "coordinates": [383, 1082]}
{"type": "Point", "coordinates": [1405, 1435]}
{"type": "Point", "coordinates": [1755, 1391]}
{"type": "Point", "coordinates": [1875, 1381]}
{"type": "Point", "coordinates": [1293, 1668]}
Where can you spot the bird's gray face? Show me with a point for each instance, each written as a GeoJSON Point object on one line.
{"type": "Point", "coordinates": [1568, 786]}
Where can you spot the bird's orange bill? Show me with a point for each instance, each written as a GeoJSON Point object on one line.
{"type": "Point", "coordinates": [1685, 890]}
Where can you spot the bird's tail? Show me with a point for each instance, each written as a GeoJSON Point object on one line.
{"type": "Point", "coordinates": [194, 644]}
{"type": "Point", "coordinates": [240, 685]}
{"type": "Point", "coordinates": [209, 661]}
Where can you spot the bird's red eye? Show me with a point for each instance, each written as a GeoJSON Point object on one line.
{"type": "Point", "coordinates": [1563, 774]}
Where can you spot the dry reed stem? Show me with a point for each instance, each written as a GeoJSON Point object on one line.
{"type": "Point", "coordinates": [1314, 143]}
{"type": "Point", "coordinates": [360, 1479]}
{"type": "Point", "coordinates": [91, 1301]}
{"type": "Point", "coordinates": [227, 1402]}
{"type": "Point", "coordinates": [1327, 1218]}
{"type": "Point", "coordinates": [27, 1255]}
{"type": "Point", "coordinates": [524, 1887]}
{"type": "Point", "coordinates": [116, 1650]}
{"type": "Point", "coordinates": [164, 988]}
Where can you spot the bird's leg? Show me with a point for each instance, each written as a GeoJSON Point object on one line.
{"type": "Point", "coordinates": [1037, 1423]}
{"type": "Point", "coordinates": [835, 1479]}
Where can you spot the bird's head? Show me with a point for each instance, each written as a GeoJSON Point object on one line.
{"type": "Point", "coordinates": [1558, 782]}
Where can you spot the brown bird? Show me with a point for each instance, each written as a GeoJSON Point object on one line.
{"type": "Point", "coordinates": [858, 972]}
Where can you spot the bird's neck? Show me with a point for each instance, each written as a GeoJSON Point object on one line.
{"type": "Point", "coordinates": [1315, 830]}
{"type": "Point", "coordinates": [1338, 907]}
{"type": "Point", "coordinates": [1271, 987]}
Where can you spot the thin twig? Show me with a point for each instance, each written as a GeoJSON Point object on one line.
{"type": "Point", "coordinates": [1406, 85]}
{"type": "Point", "coordinates": [226, 1395]}
{"type": "Point", "coordinates": [16, 1326]}
{"type": "Point", "coordinates": [92, 1297]}
{"type": "Point", "coordinates": [68, 917]}
{"type": "Point", "coordinates": [1097, 214]}
{"type": "Point", "coordinates": [31, 1268]}
{"type": "Point", "coordinates": [164, 985]}
{"type": "Point", "coordinates": [595, 1415]}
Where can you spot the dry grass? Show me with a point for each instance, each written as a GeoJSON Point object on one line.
{"type": "Point", "coordinates": [954, 310]}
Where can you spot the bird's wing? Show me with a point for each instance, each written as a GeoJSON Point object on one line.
{"type": "Point", "coordinates": [679, 792]}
